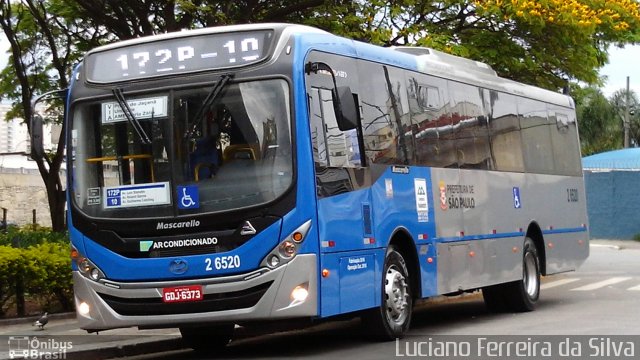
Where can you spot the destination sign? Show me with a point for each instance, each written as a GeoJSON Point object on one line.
{"type": "Point", "coordinates": [146, 108]}
{"type": "Point", "coordinates": [178, 55]}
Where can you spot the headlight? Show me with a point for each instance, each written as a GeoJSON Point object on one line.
{"type": "Point", "coordinates": [288, 248]}
{"type": "Point", "coordinates": [85, 266]}
{"type": "Point", "coordinates": [84, 309]}
{"type": "Point", "coordinates": [300, 293]}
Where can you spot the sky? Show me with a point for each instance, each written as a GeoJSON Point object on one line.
{"type": "Point", "coordinates": [622, 62]}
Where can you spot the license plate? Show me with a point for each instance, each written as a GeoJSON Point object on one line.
{"type": "Point", "coordinates": [182, 294]}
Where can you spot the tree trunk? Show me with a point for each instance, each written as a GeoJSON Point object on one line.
{"type": "Point", "coordinates": [56, 198]}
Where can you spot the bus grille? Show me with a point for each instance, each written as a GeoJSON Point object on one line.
{"type": "Point", "coordinates": [212, 302]}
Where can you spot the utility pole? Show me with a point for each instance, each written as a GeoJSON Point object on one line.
{"type": "Point", "coordinates": [626, 117]}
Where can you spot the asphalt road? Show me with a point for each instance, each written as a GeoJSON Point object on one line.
{"type": "Point", "coordinates": [599, 302]}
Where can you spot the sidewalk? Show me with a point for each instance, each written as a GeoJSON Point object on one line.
{"type": "Point", "coordinates": [616, 244]}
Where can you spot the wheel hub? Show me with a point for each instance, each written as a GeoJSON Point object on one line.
{"type": "Point", "coordinates": [530, 275]}
{"type": "Point", "coordinates": [397, 295]}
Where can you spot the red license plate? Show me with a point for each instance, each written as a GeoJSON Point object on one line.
{"type": "Point", "coordinates": [182, 294]}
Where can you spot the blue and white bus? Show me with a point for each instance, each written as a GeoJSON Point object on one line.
{"type": "Point", "coordinates": [270, 172]}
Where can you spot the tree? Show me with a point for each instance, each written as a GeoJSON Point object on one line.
{"type": "Point", "coordinates": [619, 103]}
{"type": "Point", "coordinates": [544, 42]}
{"type": "Point", "coordinates": [600, 126]}
{"type": "Point", "coordinates": [43, 49]}
{"type": "Point", "coordinates": [128, 19]}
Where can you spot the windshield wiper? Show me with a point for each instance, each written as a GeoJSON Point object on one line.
{"type": "Point", "coordinates": [211, 97]}
{"type": "Point", "coordinates": [117, 93]}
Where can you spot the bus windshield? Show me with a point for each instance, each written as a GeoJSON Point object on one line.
{"type": "Point", "coordinates": [194, 156]}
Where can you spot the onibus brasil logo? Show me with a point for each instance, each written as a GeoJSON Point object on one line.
{"type": "Point", "coordinates": [24, 347]}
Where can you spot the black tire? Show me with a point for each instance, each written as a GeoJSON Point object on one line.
{"type": "Point", "coordinates": [392, 319]}
{"type": "Point", "coordinates": [207, 339]}
{"type": "Point", "coordinates": [494, 298]}
{"type": "Point", "coordinates": [521, 295]}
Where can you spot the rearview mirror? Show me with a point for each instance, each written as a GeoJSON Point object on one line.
{"type": "Point", "coordinates": [344, 106]}
{"type": "Point", "coordinates": [37, 149]}
{"type": "Point", "coordinates": [36, 121]}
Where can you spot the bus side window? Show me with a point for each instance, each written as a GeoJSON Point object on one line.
{"type": "Point", "coordinates": [536, 136]}
{"type": "Point", "coordinates": [506, 143]}
{"type": "Point", "coordinates": [470, 126]}
{"type": "Point", "coordinates": [331, 146]}
{"type": "Point", "coordinates": [566, 149]}
{"type": "Point", "coordinates": [431, 121]}
{"type": "Point", "coordinates": [318, 139]}
{"type": "Point", "coordinates": [380, 123]}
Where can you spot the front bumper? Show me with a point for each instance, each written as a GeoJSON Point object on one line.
{"type": "Point", "coordinates": [259, 295]}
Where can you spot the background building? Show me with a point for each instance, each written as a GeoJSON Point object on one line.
{"type": "Point", "coordinates": [21, 186]}
{"type": "Point", "coordinates": [13, 133]}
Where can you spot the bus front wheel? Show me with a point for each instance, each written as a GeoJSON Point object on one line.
{"type": "Point", "coordinates": [391, 320]}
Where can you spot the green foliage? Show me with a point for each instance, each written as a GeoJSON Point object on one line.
{"type": "Point", "coordinates": [12, 263]}
{"type": "Point", "coordinates": [551, 39]}
{"type": "Point", "coordinates": [538, 42]}
{"type": "Point", "coordinates": [600, 126]}
{"type": "Point", "coordinates": [601, 119]}
{"type": "Point", "coordinates": [619, 102]}
{"type": "Point", "coordinates": [27, 236]}
{"type": "Point", "coordinates": [48, 274]}
{"type": "Point", "coordinates": [43, 264]}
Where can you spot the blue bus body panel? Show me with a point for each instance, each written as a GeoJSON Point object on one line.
{"type": "Point", "coordinates": [356, 257]}
{"type": "Point", "coordinates": [305, 190]}
{"type": "Point", "coordinates": [355, 260]}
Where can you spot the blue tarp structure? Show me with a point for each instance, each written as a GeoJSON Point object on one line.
{"type": "Point", "coordinates": [612, 182]}
{"type": "Point", "coordinates": [617, 160]}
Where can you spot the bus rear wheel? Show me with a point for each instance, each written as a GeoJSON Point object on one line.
{"type": "Point", "coordinates": [521, 295]}
{"type": "Point", "coordinates": [207, 339]}
{"type": "Point", "coordinates": [392, 319]}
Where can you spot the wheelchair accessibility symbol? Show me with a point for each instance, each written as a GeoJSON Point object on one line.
{"type": "Point", "coordinates": [516, 198]}
{"type": "Point", "coordinates": [188, 197]}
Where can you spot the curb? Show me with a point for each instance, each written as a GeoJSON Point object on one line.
{"type": "Point", "coordinates": [31, 319]}
{"type": "Point", "coordinates": [613, 247]}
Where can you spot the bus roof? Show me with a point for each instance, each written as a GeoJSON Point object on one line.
{"type": "Point", "coordinates": [424, 60]}
{"type": "Point", "coordinates": [431, 62]}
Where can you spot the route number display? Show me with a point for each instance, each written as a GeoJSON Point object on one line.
{"type": "Point", "coordinates": [177, 56]}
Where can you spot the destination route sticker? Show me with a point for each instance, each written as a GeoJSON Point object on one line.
{"type": "Point", "coordinates": [140, 108]}
{"type": "Point", "coordinates": [136, 195]}
{"type": "Point", "coordinates": [422, 203]}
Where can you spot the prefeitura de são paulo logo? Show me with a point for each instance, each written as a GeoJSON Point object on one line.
{"type": "Point", "coordinates": [443, 195]}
